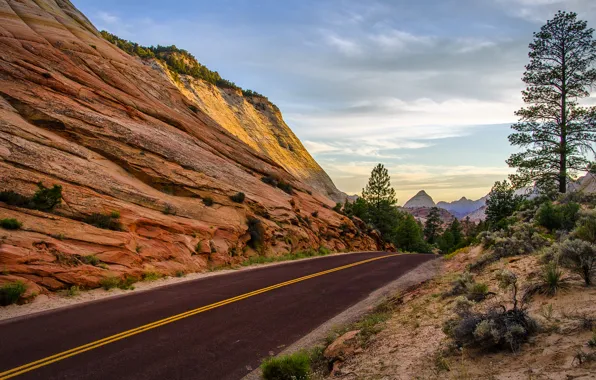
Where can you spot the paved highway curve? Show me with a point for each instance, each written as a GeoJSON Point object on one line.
{"type": "Point", "coordinates": [218, 327]}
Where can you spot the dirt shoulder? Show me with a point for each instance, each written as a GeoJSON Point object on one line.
{"type": "Point", "coordinates": [413, 345]}
{"type": "Point", "coordinates": [317, 337]}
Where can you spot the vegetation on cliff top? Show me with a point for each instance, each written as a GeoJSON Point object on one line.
{"type": "Point", "coordinates": [179, 61]}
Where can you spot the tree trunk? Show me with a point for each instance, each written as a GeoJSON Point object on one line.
{"type": "Point", "coordinates": [563, 142]}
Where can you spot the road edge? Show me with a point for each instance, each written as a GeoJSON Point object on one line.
{"type": "Point", "coordinates": [415, 276]}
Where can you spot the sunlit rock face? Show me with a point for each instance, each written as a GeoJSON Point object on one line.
{"type": "Point", "coordinates": [123, 139]}
{"type": "Point", "coordinates": [421, 199]}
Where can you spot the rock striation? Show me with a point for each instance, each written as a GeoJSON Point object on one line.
{"type": "Point", "coordinates": [163, 157]}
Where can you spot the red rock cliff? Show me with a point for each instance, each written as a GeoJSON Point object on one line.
{"type": "Point", "coordinates": [122, 138]}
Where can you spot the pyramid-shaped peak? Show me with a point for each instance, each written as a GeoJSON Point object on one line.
{"type": "Point", "coordinates": [421, 199]}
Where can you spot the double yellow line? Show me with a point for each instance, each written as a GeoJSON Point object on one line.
{"type": "Point", "coordinates": [114, 338]}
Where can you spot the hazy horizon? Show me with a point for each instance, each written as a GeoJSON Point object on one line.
{"type": "Point", "coordinates": [429, 88]}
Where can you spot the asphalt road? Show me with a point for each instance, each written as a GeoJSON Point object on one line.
{"type": "Point", "coordinates": [223, 341]}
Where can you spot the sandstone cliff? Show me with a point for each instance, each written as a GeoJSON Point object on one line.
{"type": "Point", "coordinates": [161, 156]}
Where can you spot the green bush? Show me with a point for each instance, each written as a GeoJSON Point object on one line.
{"type": "Point", "coordinates": [498, 327]}
{"type": "Point", "coordinates": [151, 276]}
{"type": "Point", "coordinates": [10, 293]}
{"type": "Point", "coordinates": [109, 282]}
{"type": "Point", "coordinates": [44, 199]}
{"type": "Point", "coordinates": [10, 224]}
{"type": "Point", "coordinates": [208, 201]}
{"type": "Point", "coordinates": [288, 367]}
{"type": "Point", "coordinates": [557, 217]}
{"type": "Point", "coordinates": [314, 214]}
{"type": "Point", "coordinates": [580, 257]}
{"type": "Point", "coordinates": [552, 279]}
{"type": "Point", "coordinates": [270, 180]}
{"type": "Point", "coordinates": [238, 197]}
{"type": "Point", "coordinates": [91, 260]}
{"type": "Point", "coordinates": [106, 222]}
{"type": "Point", "coordinates": [586, 227]}
{"type": "Point", "coordinates": [256, 231]}
{"type": "Point", "coordinates": [519, 239]}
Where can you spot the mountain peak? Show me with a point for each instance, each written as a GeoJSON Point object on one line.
{"type": "Point", "coordinates": [421, 199]}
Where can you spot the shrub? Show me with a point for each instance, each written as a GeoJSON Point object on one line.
{"type": "Point", "coordinates": [15, 199]}
{"type": "Point", "coordinates": [499, 327]}
{"type": "Point", "coordinates": [127, 283]}
{"type": "Point", "coordinates": [208, 201]}
{"type": "Point", "coordinates": [555, 217]}
{"type": "Point", "coordinates": [106, 222]}
{"type": "Point", "coordinates": [91, 260]}
{"type": "Point", "coordinates": [314, 214]}
{"type": "Point", "coordinates": [465, 285]}
{"type": "Point", "coordinates": [256, 231]}
{"type": "Point", "coordinates": [586, 227]}
{"type": "Point", "coordinates": [115, 214]}
{"type": "Point", "coordinates": [151, 276]}
{"type": "Point", "coordinates": [10, 224]}
{"type": "Point", "coordinates": [109, 282]}
{"type": "Point", "coordinates": [45, 199]}
{"type": "Point", "coordinates": [286, 187]}
{"type": "Point", "coordinates": [10, 293]}
{"type": "Point", "coordinates": [180, 273]}
{"type": "Point", "coordinates": [270, 180]}
{"type": "Point", "coordinates": [337, 207]}
{"type": "Point", "coordinates": [287, 367]}
{"type": "Point", "coordinates": [238, 197]}
{"type": "Point", "coordinates": [169, 210]}
{"type": "Point", "coordinates": [552, 279]}
{"type": "Point", "coordinates": [580, 257]}
{"type": "Point", "coordinates": [518, 239]}
{"type": "Point", "coordinates": [72, 291]}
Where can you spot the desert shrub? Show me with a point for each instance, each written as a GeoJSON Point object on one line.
{"type": "Point", "coordinates": [151, 276]}
{"type": "Point", "coordinates": [552, 279]}
{"type": "Point", "coordinates": [169, 209]}
{"type": "Point", "coordinates": [580, 257]}
{"type": "Point", "coordinates": [109, 282]}
{"type": "Point", "coordinates": [324, 251]}
{"type": "Point", "coordinates": [586, 227]}
{"type": "Point", "coordinates": [10, 224]}
{"type": "Point", "coordinates": [238, 197]}
{"type": "Point", "coordinates": [592, 341]}
{"type": "Point", "coordinates": [115, 214]}
{"type": "Point", "coordinates": [45, 199]}
{"type": "Point", "coordinates": [180, 273]}
{"type": "Point", "coordinates": [15, 199]}
{"type": "Point", "coordinates": [337, 207]}
{"type": "Point", "coordinates": [286, 187]}
{"type": "Point", "coordinates": [497, 328]}
{"type": "Point", "coordinates": [10, 293]}
{"type": "Point", "coordinates": [287, 367]}
{"type": "Point", "coordinates": [91, 260]}
{"type": "Point", "coordinates": [72, 291]}
{"type": "Point", "coordinates": [465, 285]}
{"type": "Point", "coordinates": [256, 231]}
{"type": "Point", "coordinates": [208, 201]}
{"type": "Point", "coordinates": [557, 216]}
{"type": "Point", "coordinates": [107, 222]}
{"type": "Point", "coordinates": [270, 180]}
{"type": "Point", "coordinates": [127, 283]}
{"type": "Point", "coordinates": [519, 239]}
{"type": "Point", "coordinates": [314, 214]}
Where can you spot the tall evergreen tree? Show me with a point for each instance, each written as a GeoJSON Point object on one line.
{"type": "Point", "coordinates": [556, 132]}
{"type": "Point", "coordinates": [501, 203]}
{"type": "Point", "coordinates": [432, 227]}
{"type": "Point", "coordinates": [380, 200]}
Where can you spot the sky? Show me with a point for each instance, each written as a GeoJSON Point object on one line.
{"type": "Point", "coordinates": [427, 87]}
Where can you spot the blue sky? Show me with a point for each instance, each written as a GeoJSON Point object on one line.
{"type": "Point", "coordinates": [427, 87]}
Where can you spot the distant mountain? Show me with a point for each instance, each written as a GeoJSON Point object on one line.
{"type": "Point", "coordinates": [420, 200]}
{"type": "Point", "coordinates": [476, 215]}
{"type": "Point", "coordinates": [463, 206]}
{"type": "Point", "coordinates": [421, 214]}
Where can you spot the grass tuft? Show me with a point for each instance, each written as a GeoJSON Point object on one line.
{"type": "Point", "coordinates": [10, 224]}
{"type": "Point", "coordinates": [11, 293]}
{"type": "Point", "coordinates": [287, 367]}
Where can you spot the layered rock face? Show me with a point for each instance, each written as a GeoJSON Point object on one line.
{"type": "Point", "coordinates": [164, 158]}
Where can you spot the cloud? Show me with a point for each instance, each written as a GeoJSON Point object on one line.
{"type": "Point", "coordinates": [108, 18]}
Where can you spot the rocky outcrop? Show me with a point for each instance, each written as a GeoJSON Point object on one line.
{"type": "Point", "coordinates": [123, 139]}
{"type": "Point", "coordinates": [421, 199]}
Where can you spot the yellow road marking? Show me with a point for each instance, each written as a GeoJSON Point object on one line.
{"type": "Point", "coordinates": [114, 338]}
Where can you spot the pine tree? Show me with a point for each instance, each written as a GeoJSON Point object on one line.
{"type": "Point", "coordinates": [380, 200]}
{"type": "Point", "coordinates": [556, 132]}
{"type": "Point", "coordinates": [432, 227]}
{"type": "Point", "coordinates": [501, 203]}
